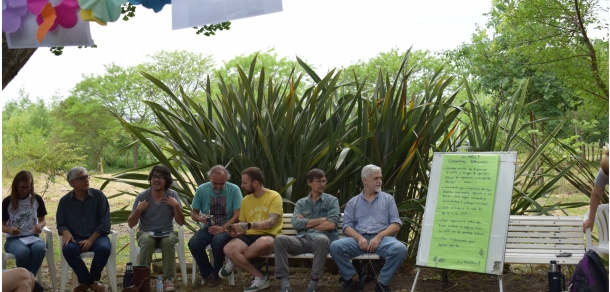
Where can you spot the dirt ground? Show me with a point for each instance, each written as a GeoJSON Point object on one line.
{"type": "Point", "coordinates": [534, 279]}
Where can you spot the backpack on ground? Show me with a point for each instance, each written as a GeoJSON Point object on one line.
{"type": "Point", "coordinates": [589, 275]}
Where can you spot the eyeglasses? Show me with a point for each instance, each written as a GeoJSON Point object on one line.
{"type": "Point", "coordinates": [158, 177]}
{"type": "Point", "coordinates": [83, 178]}
{"type": "Point", "coordinates": [321, 181]}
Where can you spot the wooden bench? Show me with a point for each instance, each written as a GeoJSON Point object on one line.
{"type": "Point", "coordinates": [288, 229]}
{"type": "Point", "coordinates": [537, 239]}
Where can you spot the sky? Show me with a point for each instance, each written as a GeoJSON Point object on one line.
{"type": "Point", "coordinates": [326, 34]}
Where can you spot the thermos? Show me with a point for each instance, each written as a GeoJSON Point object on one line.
{"type": "Point", "coordinates": [557, 280]}
{"type": "Point", "coordinates": [128, 275]}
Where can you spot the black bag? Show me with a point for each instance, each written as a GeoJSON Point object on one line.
{"type": "Point", "coordinates": [589, 275]}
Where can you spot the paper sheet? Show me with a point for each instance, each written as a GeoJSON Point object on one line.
{"type": "Point", "coordinates": [27, 240]}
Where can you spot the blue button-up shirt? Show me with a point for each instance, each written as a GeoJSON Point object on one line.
{"type": "Point", "coordinates": [326, 206]}
{"type": "Point", "coordinates": [370, 217]}
{"type": "Point", "coordinates": [83, 218]}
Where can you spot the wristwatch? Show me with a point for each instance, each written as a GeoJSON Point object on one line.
{"type": "Point", "coordinates": [249, 225]}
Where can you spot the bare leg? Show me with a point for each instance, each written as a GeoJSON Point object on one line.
{"type": "Point", "coordinates": [17, 280]}
{"type": "Point", "coordinates": [240, 254]}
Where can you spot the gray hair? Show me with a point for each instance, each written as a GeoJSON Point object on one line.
{"type": "Point", "coordinates": [367, 170]}
{"type": "Point", "coordinates": [74, 172]}
{"type": "Point", "coordinates": [218, 169]}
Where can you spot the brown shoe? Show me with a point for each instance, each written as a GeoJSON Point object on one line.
{"type": "Point", "coordinates": [98, 287]}
{"type": "Point", "coordinates": [80, 288]}
{"type": "Point", "coordinates": [213, 281]}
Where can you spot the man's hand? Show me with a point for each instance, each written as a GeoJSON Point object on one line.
{"type": "Point", "coordinates": [216, 230]}
{"type": "Point", "coordinates": [142, 205]}
{"type": "Point", "coordinates": [299, 216]}
{"type": "Point", "coordinates": [16, 231]}
{"type": "Point", "coordinates": [85, 245]}
{"type": "Point", "coordinates": [170, 201]}
{"type": "Point", "coordinates": [240, 227]}
{"type": "Point", "coordinates": [67, 238]}
{"type": "Point", "coordinates": [363, 244]}
{"type": "Point", "coordinates": [587, 224]}
{"type": "Point", "coordinates": [374, 243]}
{"type": "Point", "coordinates": [231, 231]}
{"type": "Point", "coordinates": [38, 227]}
{"type": "Point", "coordinates": [204, 218]}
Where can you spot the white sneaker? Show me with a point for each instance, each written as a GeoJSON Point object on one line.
{"type": "Point", "coordinates": [227, 269]}
{"type": "Point", "coordinates": [259, 284]}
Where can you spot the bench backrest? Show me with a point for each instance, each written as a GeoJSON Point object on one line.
{"type": "Point", "coordinates": [545, 234]}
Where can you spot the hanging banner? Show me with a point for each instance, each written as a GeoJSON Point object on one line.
{"type": "Point", "coordinates": [190, 13]}
{"type": "Point", "coordinates": [26, 35]}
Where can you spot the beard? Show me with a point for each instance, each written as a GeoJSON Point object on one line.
{"type": "Point", "coordinates": [378, 189]}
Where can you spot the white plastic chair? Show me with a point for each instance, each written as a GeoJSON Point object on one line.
{"type": "Point", "coordinates": [48, 254]}
{"type": "Point", "coordinates": [194, 268]}
{"type": "Point", "coordinates": [110, 265]}
{"type": "Point", "coordinates": [601, 221]}
{"type": "Point", "coordinates": [134, 250]}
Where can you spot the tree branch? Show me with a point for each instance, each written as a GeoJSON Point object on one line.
{"type": "Point", "coordinates": [594, 68]}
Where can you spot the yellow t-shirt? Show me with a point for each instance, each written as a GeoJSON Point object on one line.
{"type": "Point", "coordinates": [258, 209]}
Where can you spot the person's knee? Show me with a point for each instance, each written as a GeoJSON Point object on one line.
{"type": "Point", "coordinates": [399, 250]}
{"type": "Point", "coordinates": [147, 242]}
{"type": "Point", "coordinates": [321, 241]}
{"type": "Point", "coordinates": [230, 248]}
{"type": "Point", "coordinates": [103, 249]}
{"type": "Point", "coordinates": [334, 247]}
{"type": "Point", "coordinates": [38, 248]}
{"type": "Point", "coordinates": [71, 250]}
{"type": "Point", "coordinates": [219, 240]}
{"type": "Point", "coordinates": [281, 241]}
{"type": "Point", "coordinates": [266, 242]}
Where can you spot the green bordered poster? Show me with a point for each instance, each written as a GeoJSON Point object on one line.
{"type": "Point", "coordinates": [464, 212]}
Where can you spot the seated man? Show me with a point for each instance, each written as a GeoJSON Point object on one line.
{"type": "Point", "coordinates": [155, 209]}
{"type": "Point", "coordinates": [83, 219]}
{"type": "Point", "coordinates": [315, 219]}
{"type": "Point", "coordinates": [260, 221]}
{"type": "Point", "coordinates": [370, 223]}
{"type": "Point", "coordinates": [221, 200]}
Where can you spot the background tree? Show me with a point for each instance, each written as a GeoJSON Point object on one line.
{"type": "Point", "coordinates": [549, 43]}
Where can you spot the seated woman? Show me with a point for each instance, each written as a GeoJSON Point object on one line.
{"type": "Point", "coordinates": [23, 214]}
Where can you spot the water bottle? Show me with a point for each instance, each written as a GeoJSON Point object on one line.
{"type": "Point", "coordinates": [128, 275]}
{"type": "Point", "coordinates": [159, 284]}
{"type": "Point", "coordinates": [556, 278]}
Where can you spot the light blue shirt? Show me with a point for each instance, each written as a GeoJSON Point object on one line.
{"type": "Point", "coordinates": [370, 217]}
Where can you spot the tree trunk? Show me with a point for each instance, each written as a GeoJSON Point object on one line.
{"type": "Point", "coordinates": [12, 61]}
{"type": "Point", "coordinates": [135, 155]}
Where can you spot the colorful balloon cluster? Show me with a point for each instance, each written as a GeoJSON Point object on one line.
{"type": "Point", "coordinates": [53, 13]}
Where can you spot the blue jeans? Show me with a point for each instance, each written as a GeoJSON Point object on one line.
{"type": "Point", "coordinates": [101, 248]}
{"type": "Point", "coordinates": [27, 256]}
{"type": "Point", "coordinates": [197, 245]}
{"type": "Point", "coordinates": [393, 251]}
